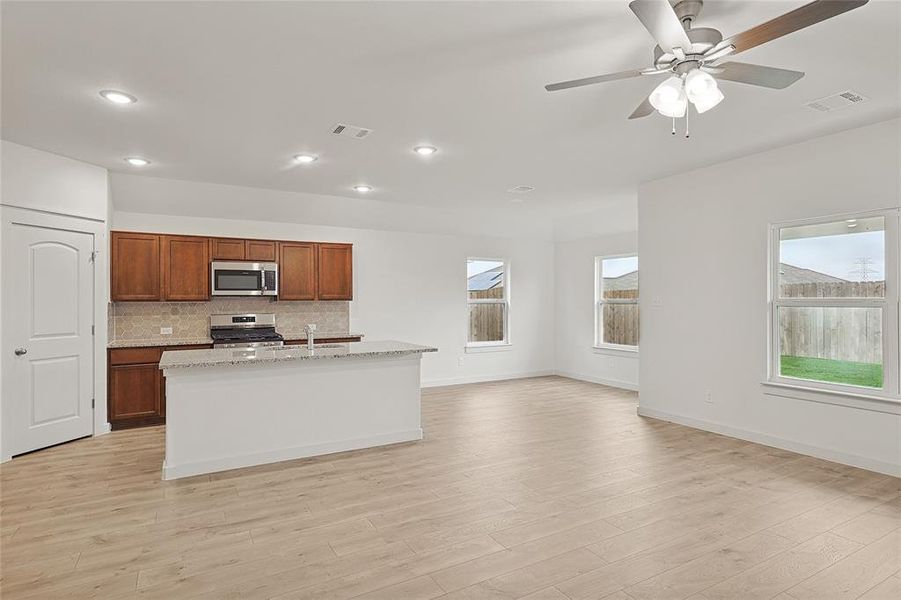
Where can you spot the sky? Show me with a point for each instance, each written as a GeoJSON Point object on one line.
{"type": "Point", "coordinates": [836, 254]}
{"type": "Point", "coordinates": [614, 267]}
{"type": "Point", "coordinates": [474, 267]}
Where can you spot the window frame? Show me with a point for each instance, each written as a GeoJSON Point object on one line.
{"type": "Point", "coordinates": [497, 344]}
{"type": "Point", "coordinates": [599, 301]}
{"type": "Point", "coordinates": [889, 305]}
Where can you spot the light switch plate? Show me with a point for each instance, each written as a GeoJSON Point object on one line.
{"type": "Point", "coordinates": [165, 331]}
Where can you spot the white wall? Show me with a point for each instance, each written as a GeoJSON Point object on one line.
{"type": "Point", "coordinates": [703, 252]}
{"type": "Point", "coordinates": [43, 181]}
{"type": "Point", "coordinates": [40, 181]}
{"type": "Point", "coordinates": [407, 286]}
{"type": "Point", "coordinates": [574, 313]}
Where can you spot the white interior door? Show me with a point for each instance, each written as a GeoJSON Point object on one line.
{"type": "Point", "coordinates": [48, 340]}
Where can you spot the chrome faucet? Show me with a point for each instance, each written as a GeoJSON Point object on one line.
{"type": "Point", "coordinates": [310, 329]}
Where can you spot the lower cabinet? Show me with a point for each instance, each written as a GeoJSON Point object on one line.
{"type": "Point", "coordinates": [136, 390]}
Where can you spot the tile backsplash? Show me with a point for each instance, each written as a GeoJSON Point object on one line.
{"type": "Point", "coordinates": [191, 320]}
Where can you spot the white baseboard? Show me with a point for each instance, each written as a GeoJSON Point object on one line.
{"type": "Point", "coordinates": [829, 454]}
{"type": "Point", "coordinates": [625, 385]}
{"type": "Point", "coordinates": [103, 430]}
{"type": "Point", "coordinates": [282, 454]}
{"type": "Point", "coordinates": [485, 378]}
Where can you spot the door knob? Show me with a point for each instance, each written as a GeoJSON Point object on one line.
{"type": "Point", "coordinates": [21, 351]}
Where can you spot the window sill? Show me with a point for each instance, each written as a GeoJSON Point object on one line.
{"type": "Point", "coordinates": [864, 401]}
{"type": "Point", "coordinates": [488, 348]}
{"type": "Point", "coordinates": [624, 351]}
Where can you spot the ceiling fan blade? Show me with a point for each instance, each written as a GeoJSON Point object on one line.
{"type": "Point", "coordinates": [564, 85]}
{"type": "Point", "coordinates": [660, 19]}
{"type": "Point", "coordinates": [805, 16]}
{"type": "Point", "coordinates": [769, 77]}
{"type": "Point", "coordinates": [643, 110]}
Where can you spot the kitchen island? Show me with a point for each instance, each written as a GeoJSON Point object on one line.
{"type": "Point", "coordinates": [230, 408]}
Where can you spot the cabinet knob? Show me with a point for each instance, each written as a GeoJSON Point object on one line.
{"type": "Point", "coordinates": [20, 351]}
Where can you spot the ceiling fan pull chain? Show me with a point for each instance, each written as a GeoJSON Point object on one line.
{"type": "Point", "coordinates": [674, 125]}
{"type": "Point", "coordinates": [687, 110]}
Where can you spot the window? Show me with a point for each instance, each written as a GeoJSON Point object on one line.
{"type": "Point", "coordinates": [616, 302]}
{"type": "Point", "coordinates": [488, 298]}
{"type": "Point", "coordinates": [834, 303]}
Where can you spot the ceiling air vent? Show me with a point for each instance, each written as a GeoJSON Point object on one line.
{"type": "Point", "coordinates": [521, 189]}
{"type": "Point", "coordinates": [837, 101]}
{"type": "Point", "coordinates": [351, 131]}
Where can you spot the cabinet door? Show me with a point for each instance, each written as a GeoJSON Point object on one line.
{"type": "Point", "coordinates": [297, 271]}
{"type": "Point", "coordinates": [259, 250]}
{"type": "Point", "coordinates": [134, 266]}
{"type": "Point", "coordinates": [335, 263]}
{"type": "Point", "coordinates": [226, 249]}
{"type": "Point", "coordinates": [186, 268]}
{"type": "Point", "coordinates": [134, 392]}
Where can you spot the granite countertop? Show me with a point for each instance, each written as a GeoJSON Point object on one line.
{"type": "Point", "coordinates": [175, 359]}
{"type": "Point", "coordinates": [157, 342]}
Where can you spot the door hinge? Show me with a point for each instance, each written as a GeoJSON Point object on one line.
{"type": "Point", "coordinates": [92, 330]}
{"type": "Point", "coordinates": [92, 403]}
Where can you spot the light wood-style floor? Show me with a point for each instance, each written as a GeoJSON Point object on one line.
{"type": "Point", "coordinates": [542, 488]}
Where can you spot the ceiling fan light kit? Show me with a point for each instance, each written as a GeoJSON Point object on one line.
{"type": "Point", "coordinates": [691, 55]}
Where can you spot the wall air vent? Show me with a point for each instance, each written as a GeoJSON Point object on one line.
{"type": "Point", "coordinates": [837, 101]}
{"type": "Point", "coordinates": [521, 189]}
{"type": "Point", "coordinates": [351, 131]}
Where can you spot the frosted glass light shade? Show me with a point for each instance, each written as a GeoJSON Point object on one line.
{"type": "Point", "coordinates": [669, 98]}
{"type": "Point", "coordinates": [708, 101]}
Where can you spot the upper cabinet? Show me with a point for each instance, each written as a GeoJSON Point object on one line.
{"type": "Point", "coordinates": [260, 250]}
{"type": "Point", "coordinates": [226, 249]}
{"type": "Point", "coordinates": [235, 249]}
{"type": "Point", "coordinates": [134, 266]}
{"type": "Point", "coordinates": [150, 266]}
{"type": "Point", "coordinates": [186, 267]}
{"type": "Point", "coordinates": [297, 271]}
{"type": "Point", "coordinates": [335, 266]}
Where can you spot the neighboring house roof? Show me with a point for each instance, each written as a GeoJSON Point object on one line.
{"type": "Point", "coordinates": [486, 280]}
{"type": "Point", "coordinates": [789, 274]}
{"type": "Point", "coordinates": [626, 281]}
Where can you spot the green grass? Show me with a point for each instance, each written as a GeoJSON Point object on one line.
{"type": "Point", "coordinates": [835, 371]}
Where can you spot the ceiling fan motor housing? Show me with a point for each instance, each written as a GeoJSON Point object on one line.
{"type": "Point", "coordinates": [702, 40]}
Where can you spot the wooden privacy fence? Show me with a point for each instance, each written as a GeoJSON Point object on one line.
{"type": "Point", "coordinates": [486, 320]}
{"type": "Point", "coordinates": [620, 320]}
{"type": "Point", "coordinates": [850, 334]}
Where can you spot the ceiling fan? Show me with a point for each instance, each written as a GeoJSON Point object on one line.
{"type": "Point", "coordinates": [691, 55]}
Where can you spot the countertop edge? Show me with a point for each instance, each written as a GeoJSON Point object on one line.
{"type": "Point", "coordinates": [117, 344]}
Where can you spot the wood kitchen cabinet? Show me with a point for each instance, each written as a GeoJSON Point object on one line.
{"type": "Point", "coordinates": [297, 271]}
{"type": "Point", "coordinates": [136, 388]}
{"type": "Point", "coordinates": [134, 266]}
{"type": "Point", "coordinates": [239, 249]}
{"type": "Point", "coordinates": [335, 272]}
{"type": "Point", "coordinates": [186, 267]}
{"type": "Point", "coordinates": [260, 250]}
{"type": "Point", "coordinates": [226, 249]}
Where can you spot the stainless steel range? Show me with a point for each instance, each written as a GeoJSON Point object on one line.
{"type": "Point", "coordinates": [244, 331]}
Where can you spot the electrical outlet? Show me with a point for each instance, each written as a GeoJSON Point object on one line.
{"type": "Point", "coordinates": [708, 397]}
{"type": "Point", "coordinates": [165, 331]}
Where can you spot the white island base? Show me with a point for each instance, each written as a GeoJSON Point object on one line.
{"type": "Point", "coordinates": [226, 416]}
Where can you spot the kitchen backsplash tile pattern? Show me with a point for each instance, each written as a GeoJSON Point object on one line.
{"type": "Point", "coordinates": [191, 320]}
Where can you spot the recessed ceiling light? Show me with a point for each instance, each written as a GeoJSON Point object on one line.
{"type": "Point", "coordinates": [137, 161]}
{"type": "Point", "coordinates": [851, 221]}
{"type": "Point", "coordinates": [521, 189]}
{"type": "Point", "coordinates": [305, 159]}
{"type": "Point", "coordinates": [117, 97]}
{"type": "Point", "coordinates": [362, 188]}
{"type": "Point", "coordinates": [425, 150]}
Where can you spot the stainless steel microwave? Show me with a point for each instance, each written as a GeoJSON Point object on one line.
{"type": "Point", "coordinates": [233, 278]}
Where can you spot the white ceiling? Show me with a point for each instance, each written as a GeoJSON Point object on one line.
{"type": "Point", "coordinates": [228, 92]}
